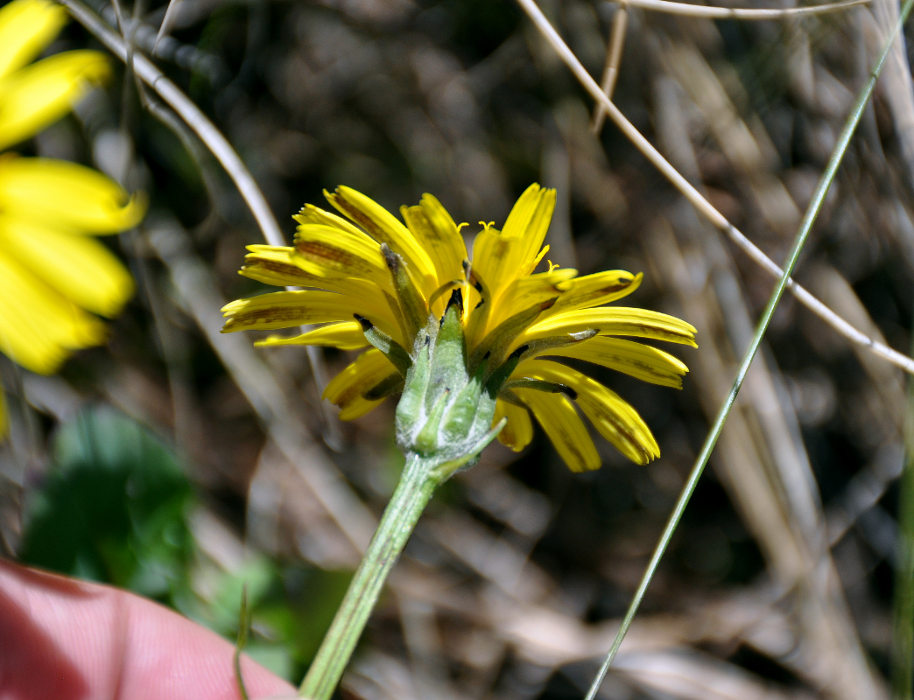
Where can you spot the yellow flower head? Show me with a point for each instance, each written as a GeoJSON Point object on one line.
{"type": "Point", "coordinates": [52, 272]}
{"type": "Point", "coordinates": [370, 280]}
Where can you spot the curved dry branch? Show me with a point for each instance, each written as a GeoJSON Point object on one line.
{"type": "Point", "coordinates": [189, 112]}
{"type": "Point", "coordinates": [703, 11]}
{"type": "Point", "coordinates": [218, 145]}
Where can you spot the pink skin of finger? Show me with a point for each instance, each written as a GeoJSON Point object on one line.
{"type": "Point", "coordinates": [66, 639]}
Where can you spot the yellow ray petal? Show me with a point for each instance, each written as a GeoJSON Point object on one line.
{"type": "Point", "coordinates": [276, 265]}
{"type": "Point", "coordinates": [346, 335]}
{"type": "Point", "coordinates": [384, 227]}
{"type": "Point", "coordinates": [38, 327]}
{"type": "Point", "coordinates": [641, 361]}
{"type": "Point", "coordinates": [528, 291]}
{"type": "Point", "coordinates": [311, 214]}
{"type": "Point", "coordinates": [614, 418]}
{"type": "Point", "coordinates": [296, 308]}
{"type": "Point", "coordinates": [500, 257]}
{"type": "Point", "coordinates": [436, 232]}
{"type": "Point", "coordinates": [491, 261]}
{"type": "Point", "coordinates": [286, 310]}
{"type": "Point", "coordinates": [564, 428]}
{"type": "Point", "coordinates": [37, 95]}
{"type": "Point", "coordinates": [528, 222]}
{"type": "Point", "coordinates": [26, 27]}
{"type": "Point", "coordinates": [273, 265]}
{"type": "Point", "coordinates": [79, 268]}
{"type": "Point", "coordinates": [518, 431]}
{"type": "Point", "coordinates": [347, 388]}
{"type": "Point", "coordinates": [596, 290]}
{"type": "Point", "coordinates": [613, 320]}
{"type": "Point", "coordinates": [324, 251]}
{"type": "Point", "coordinates": [66, 195]}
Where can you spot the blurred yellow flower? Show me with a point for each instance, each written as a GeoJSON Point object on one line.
{"type": "Point", "coordinates": [54, 277]}
{"type": "Point", "coordinates": [371, 280]}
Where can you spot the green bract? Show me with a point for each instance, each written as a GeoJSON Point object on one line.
{"type": "Point", "coordinates": [445, 413]}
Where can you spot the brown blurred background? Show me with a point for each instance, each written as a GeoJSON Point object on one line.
{"type": "Point", "coordinates": [779, 582]}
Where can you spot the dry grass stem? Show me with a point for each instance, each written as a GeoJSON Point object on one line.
{"type": "Point", "coordinates": [270, 401]}
{"type": "Point", "coordinates": [699, 201]}
{"type": "Point", "coordinates": [189, 112]}
{"type": "Point", "coordinates": [706, 12]}
{"type": "Point", "coordinates": [611, 68]}
{"type": "Point", "coordinates": [218, 145]}
{"type": "Point", "coordinates": [762, 462]}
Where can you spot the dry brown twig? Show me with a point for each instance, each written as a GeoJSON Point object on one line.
{"type": "Point", "coordinates": [613, 59]}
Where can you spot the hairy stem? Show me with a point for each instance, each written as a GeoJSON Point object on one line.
{"type": "Point", "coordinates": [417, 483]}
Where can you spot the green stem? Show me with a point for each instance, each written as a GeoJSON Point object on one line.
{"type": "Point", "coordinates": [417, 483]}
{"type": "Point", "coordinates": [809, 218]}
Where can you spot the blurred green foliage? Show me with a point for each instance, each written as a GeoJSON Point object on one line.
{"type": "Point", "coordinates": [113, 507]}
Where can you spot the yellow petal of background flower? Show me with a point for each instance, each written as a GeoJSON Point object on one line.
{"type": "Point", "coordinates": [518, 432]}
{"type": "Point", "coordinates": [79, 268]}
{"type": "Point", "coordinates": [39, 327]}
{"type": "Point", "coordinates": [26, 27]}
{"type": "Point", "coordinates": [347, 388]}
{"type": "Point", "coordinates": [564, 428]}
{"type": "Point", "coordinates": [36, 96]}
{"type": "Point", "coordinates": [345, 336]}
{"type": "Point", "coordinates": [66, 195]}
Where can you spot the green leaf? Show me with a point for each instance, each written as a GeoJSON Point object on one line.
{"type": "Point", "coordinates": [113, 507]}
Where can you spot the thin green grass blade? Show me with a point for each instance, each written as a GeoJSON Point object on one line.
{"type": "Point", "coordinates": [244, 624]}
{"type": "Point", "coordinates": [903, 602]}
{"type": "Point", "coordinates": [812, 213]}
